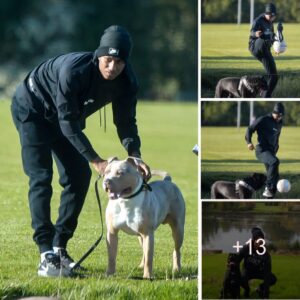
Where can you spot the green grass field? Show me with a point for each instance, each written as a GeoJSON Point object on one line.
{"type": "Point", "coordinates": [225, 156]}
{"type": "Point", "coordinates": [168, 132]}
{"type": "Point", "coordinates": [224, 52]}
{"type": "Point", "coordinates": [283, 266]}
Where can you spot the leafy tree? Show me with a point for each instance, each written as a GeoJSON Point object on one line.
{"type": "Point", "coordinates": [164, 34]}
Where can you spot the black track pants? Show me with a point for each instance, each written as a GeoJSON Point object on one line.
{"type": "Point", "coordinates": [271, 163]}
{"type": "Point", "coordinates": [41, 141]}
{"type": "Point", "coordinates": [268, 280]}
{"type": "Point", "coordinates": [263, 53]}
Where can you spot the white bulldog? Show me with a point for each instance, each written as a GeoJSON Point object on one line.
{"type": "Point", "coordinates": [138, 209]}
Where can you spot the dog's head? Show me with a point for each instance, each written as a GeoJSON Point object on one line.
{"type": "Point", "coordinates": [231, 284]}
{"type": "Point", "coordinates": [232, 261]}
{"type": "Point", "coordinates": [121, 178]}
{"type": "Point", "coordinates": [258, 84]}
{"type": "Point", "coordinates": [258, 180]}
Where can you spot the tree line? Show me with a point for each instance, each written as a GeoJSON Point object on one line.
{"type": "Point", "coordinates": [225, 11]}
{"type": "Point", "coordinates": [224, 113]}
{"type": "Point", "coordinates": [164, 33]}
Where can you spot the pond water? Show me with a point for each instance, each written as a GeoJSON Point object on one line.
{"type": "Point", "coordinates": [222, 231]}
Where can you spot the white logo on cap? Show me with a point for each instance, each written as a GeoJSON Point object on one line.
{"type": "Point", "coordinates": [113, 51]}
{"type": "Point", "coordinates": [88, 101]}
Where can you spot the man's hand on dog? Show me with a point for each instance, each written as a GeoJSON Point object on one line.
{"type": "Point", "coordinates": [142, 167]}
{"type": "Point", "coordinates": [99, 165]}
{"type": "Point", "coordinates": [251, 147]}
{"type": "Point", "coordinates": [145, 170]}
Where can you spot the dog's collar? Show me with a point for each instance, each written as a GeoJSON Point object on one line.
{"type": "Point", "coordinates": [144, 187]}
{"type": "Point", "coordinates": [246, 185]}
{"type": "Point", "coordinates": [244, 82]}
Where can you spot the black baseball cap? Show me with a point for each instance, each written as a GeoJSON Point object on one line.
{"type": "Point", "coordinates": [270, 9]}
{"type": "Point", "coordinates": [115, 41]}
{"type": "Point", "coordinates": [278, 108]}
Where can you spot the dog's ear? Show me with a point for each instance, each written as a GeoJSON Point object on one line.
{"type": "Point", "coordinates": [257, 176]}
{"type": "Point", "coordinates": [141, 167]}
{"type": "Point", "coordinates": [133, 160]}
{"type": "Point", "coordinates": [111, 159]}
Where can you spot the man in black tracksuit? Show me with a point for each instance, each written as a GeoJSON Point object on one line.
{"type": "Point", "coordinates": [257, 265]}
{"type": "Point", "coordinates": [260, 42]}
{"type": "Point", "coordinates": [268, 130]}
{"type": "Point", "coordinates": [49, 109]}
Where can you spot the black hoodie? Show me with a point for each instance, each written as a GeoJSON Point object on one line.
{"type": "Point", "coordinates": [256, 265]}
{"type": "Point", "coordinates": [71, 88]}
{"type": "Point", "coordinates": [267, 28]}
{"type": "Point", "coordinates": [268, 132]}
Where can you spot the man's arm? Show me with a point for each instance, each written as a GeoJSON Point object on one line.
{"type": "Point", "coordinates": [256, 31]}
{"type": "Point", "coordinates": [249, 132]}
{"type": "Point", "coordinates": [69, 118]}
{"type": "Point", "coordinates": [248, 137]}
{"type": "Point", "coordinates": [124, 112]}
{"type": "Point", "coordinates": [277, 141]}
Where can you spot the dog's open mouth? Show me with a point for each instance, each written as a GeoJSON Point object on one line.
{"type": "Point", "coordinates": [114, 195]}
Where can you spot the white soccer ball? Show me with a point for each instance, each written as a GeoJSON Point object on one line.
{"type": "Point", "coordinates": [279, 47]}
{"type": "Point", "coordinates": [283, 186]}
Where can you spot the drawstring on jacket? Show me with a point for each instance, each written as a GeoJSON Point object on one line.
{"type": "Point", "coordinates": [100, 115]}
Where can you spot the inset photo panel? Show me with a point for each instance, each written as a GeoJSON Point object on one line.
{"type": "Point", "coordinates": [250, 250]}
{"type": "Point", "coordinates": [250, 150]}
{"type": "Point", "coordinates": [249, 49]}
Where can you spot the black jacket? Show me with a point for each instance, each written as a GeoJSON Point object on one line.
{"type": "Point", "coordinates": [72, 88]}
{"type": "Point", "coordinates": [255, 263]}
{"type": "Point", "coordinates": [268, 132]}
{"type": "Point", "coordinates": [267, 28]}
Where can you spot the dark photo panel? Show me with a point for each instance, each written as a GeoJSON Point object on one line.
{"type": "Point", "coordinates": [250, 250]}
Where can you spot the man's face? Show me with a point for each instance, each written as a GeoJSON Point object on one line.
{"type": "Point", "coordinates": [270, 17]}
{"type": "Point", "coordinates": [257, 243]}
{"type": "Point", "coordinates": [277, 117]}
{"type": "Point", "coordinates": [110, 67]}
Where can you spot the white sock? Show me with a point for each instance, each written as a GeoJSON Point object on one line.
{"type": "Point", "coordinates": [44, 253]}
{"type": "Point", "coordinates": [56, 249]}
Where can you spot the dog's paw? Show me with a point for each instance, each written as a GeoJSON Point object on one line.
{"type": "Point", "coordinates": [148, 278]}
{"type": "Point", "coordinates": [147, 275]}
{"type": "Point", "coordinates": [111, 159]}
{"type": "Point", "coordinates": [109, 273]}
{"type": "Point", "coordinates": [176, 269]}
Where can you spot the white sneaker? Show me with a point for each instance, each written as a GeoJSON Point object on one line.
{"type": "Point", "coordinates": [66, 260]}
{"type": "Point", "coordinates": [51, 266]}
{"type": "Point", "coordinates": [267, 193]}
